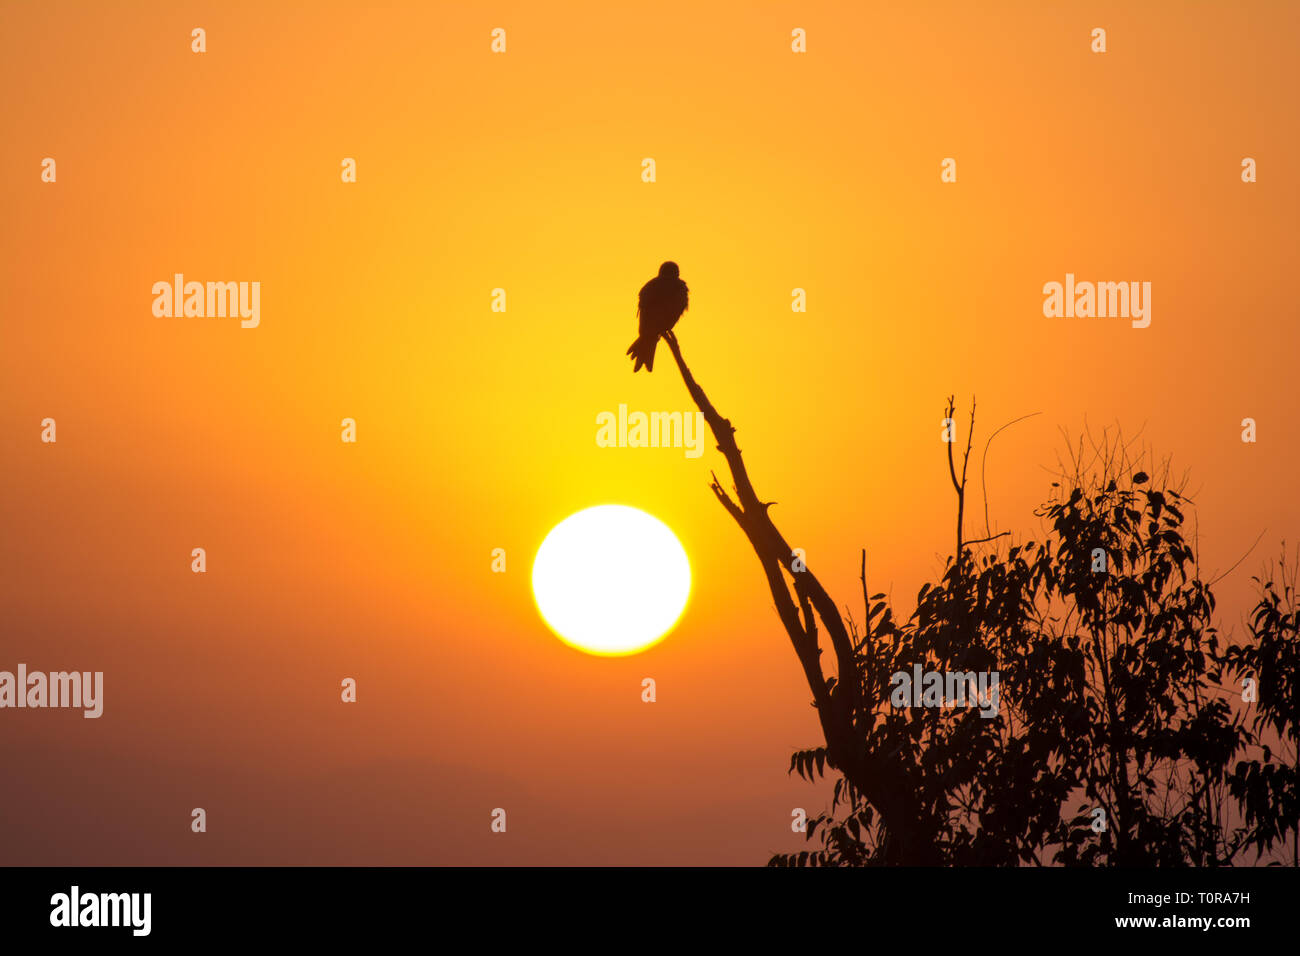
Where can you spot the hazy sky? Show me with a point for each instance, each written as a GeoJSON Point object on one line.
{"type": "Point", "coordinates": [476, 429]}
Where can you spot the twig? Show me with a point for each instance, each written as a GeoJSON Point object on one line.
{"type": "Point", "coordinates": [984, 460]}
{"type": "Point", "coordinates": [1239, 560]}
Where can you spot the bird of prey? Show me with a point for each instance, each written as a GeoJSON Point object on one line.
{"type": "Point", "coordinates": [658, 307]}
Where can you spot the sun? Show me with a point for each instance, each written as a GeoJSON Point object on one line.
{"type": "Point", "coordinates": [611, 580]}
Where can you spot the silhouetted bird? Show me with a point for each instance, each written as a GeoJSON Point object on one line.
{"type": "Point", "coordinates": [658, 307]}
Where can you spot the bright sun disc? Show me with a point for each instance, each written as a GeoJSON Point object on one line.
{"type": "Point", "coordinates": [611, 580]}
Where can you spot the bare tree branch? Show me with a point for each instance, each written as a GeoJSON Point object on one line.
{"type": "Point", "coordinates": [883, 780]}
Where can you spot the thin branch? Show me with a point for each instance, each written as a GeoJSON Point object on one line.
{"type": "Point", "coordinates": [992, 537]}
{"type": "Point", "coordinates": [984, 460]}
{"type": "Point", "coordinates": [965, 463]}
{"type": "Point", "coordinates": [950, 423]}
{"type": "Point", "coordinates": [1238, 561]}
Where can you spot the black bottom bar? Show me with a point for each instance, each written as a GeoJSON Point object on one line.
{"type": "Point", "coordinates": [536, 905]}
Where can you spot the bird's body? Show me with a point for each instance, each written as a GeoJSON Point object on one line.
{"type": "Point", "coordinates": [659, 305]}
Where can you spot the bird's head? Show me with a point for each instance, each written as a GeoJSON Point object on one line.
{"type": "Point", "coordinates": [669, 270]}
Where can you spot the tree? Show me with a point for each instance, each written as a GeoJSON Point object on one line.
{"type": "Point", "coordinates": [1100, 664]}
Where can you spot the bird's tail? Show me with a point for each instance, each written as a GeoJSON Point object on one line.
{"type": "Point", "coordinates": [643, 352]}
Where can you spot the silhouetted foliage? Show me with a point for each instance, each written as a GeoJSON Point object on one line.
{"type": "Point", "coordinates": [1109, 661]}
{"type": "Point", "coordinates": [1268, 787]}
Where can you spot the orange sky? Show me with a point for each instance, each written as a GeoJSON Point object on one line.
{"type": "Point", "coordinates": [476, 429]}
